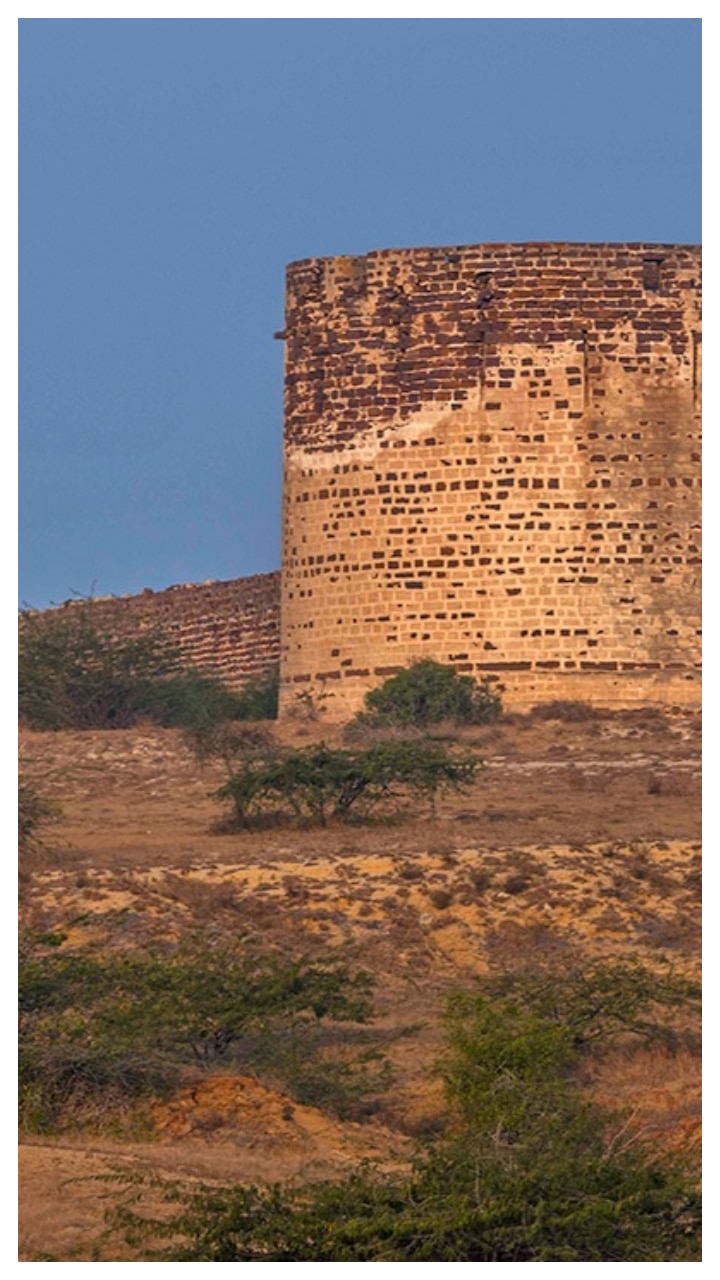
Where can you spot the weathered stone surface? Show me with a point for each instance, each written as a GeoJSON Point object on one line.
{"type": "Point", "coordinates": [225, 629]}
{"type": "Point", "coordinates": [493, 451]}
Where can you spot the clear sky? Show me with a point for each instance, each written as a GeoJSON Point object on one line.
{"type": "Point", "coordinates": [170, 169]}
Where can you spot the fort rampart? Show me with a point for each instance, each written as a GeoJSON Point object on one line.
{"type": "Point", "coordinates": [226, 629]}
{"type": "Point", "coordinates": [492, 458]}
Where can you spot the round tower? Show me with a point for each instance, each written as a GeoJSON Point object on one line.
{"type": "Point", "coordinates": [492, 459]}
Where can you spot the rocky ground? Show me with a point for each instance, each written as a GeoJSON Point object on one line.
{"type": "Point", "coordinates": [579, 837]}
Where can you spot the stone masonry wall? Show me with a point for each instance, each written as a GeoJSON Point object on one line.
{"type": "Point", "coordinates": [226, 629]}
{"type": "Point", "coordinates": [492, 458]}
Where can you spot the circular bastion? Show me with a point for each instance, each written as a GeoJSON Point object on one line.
{"type": "Point", "coordinates": [492, 459]}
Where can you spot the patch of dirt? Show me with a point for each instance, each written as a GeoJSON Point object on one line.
{"type": "Point", "coordinates": [222, 1129]}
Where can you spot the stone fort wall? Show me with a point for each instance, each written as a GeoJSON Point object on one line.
{"type": "Point", "coordinates": [226, 629]}
{"type": "Point", "coordinates": [492, 458]}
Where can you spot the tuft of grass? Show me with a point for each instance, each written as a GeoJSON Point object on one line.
{"type": "Point", "coordinates": [441, 898]}
{"type": "Point", "coordinates": [568, 710]}
{"type": "Point", "coordinates": [480, 879]}
{"type": "Point", "coordinates": [516, 883]}
{"type": "Point", "coordinates": [34, 812]}
{"type": "Point", "coordinates": [669, 784]}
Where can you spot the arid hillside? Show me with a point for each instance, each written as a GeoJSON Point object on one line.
{"type": "Point", "coordinates": [579, 839]}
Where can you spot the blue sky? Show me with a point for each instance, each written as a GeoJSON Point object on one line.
{"type": "Point", "coordinates": [170, 169]}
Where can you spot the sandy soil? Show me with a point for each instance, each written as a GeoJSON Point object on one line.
{"type": "Point", "coordinates": [576, 837]}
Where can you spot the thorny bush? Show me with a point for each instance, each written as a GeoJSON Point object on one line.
{"type": "Point", "coordinates": [109, 1029]}
{"type": "Point", "coordinates": [526, 1171]}
{"type": "Point", "coordinates": [320, 782]}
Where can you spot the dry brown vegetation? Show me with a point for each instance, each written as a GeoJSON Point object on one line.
{"type": "Point", "coordinates": [580, 837]}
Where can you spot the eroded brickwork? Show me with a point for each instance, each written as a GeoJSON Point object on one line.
{"type": "Point", "coordinates": [492, 458]}
{"type": "Point", "coordinates": [226, 629]}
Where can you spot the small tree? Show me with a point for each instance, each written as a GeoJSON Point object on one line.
{"type": "Point", "coordinates": [319, 782]}
{"type": "Point", "coordinates": [74, 674]}
{"type": "Point", "coordinates": [428, 692]}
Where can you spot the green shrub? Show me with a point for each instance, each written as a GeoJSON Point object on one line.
{"type": "Point", "coordinates": [318, 782]}
{"type": "Point", "coordinates": [76, 674]}
{"type": "Point", "coordinates": [106, 1030]}
{"type": "Point", "coordinates": [303, 1057]}
{"type": "Point", "coordinates": [602, 1001]}
{"type": "Point", "coordinates": [454, 1210]}
{"type": "Point", "coordinates": [527, 1171]}
{"type": "Point", "coordinates": [187, 700]}
{"type": "Point", "coordinates": [258, 700]}
{"type": "Point", "coordinates": [201, 703]}
{"type": "Point", "coordinates": [428, 692]}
